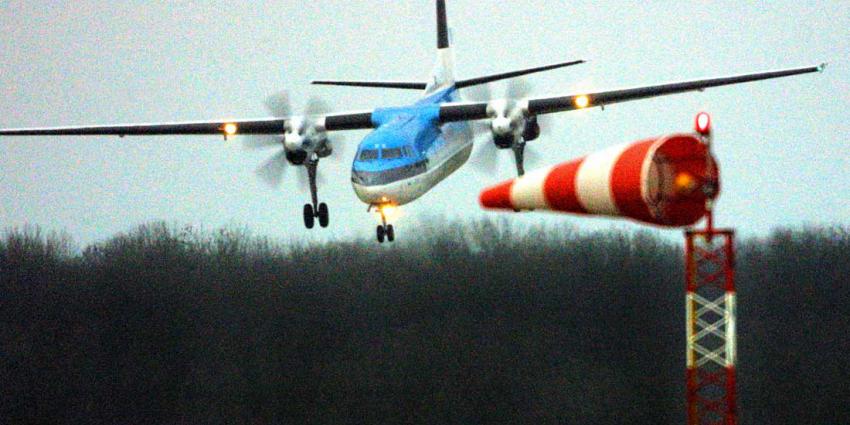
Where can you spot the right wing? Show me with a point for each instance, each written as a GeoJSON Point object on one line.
{"type": "Point", "coordinates": [546, 105]}
{"type": "Point", "coordinates": [332, 122]}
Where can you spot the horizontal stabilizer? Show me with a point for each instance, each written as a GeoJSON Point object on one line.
{"type": "Point", "coordinates": [411, 85]}
{"type": "Point", "coordinates": [382, 84]}
{"type": "Point", "coordinates": [504, 76]}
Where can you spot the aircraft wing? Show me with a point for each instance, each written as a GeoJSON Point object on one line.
{"type": "Point", "coordinates": [545, 105]}
{"type": "Point", "coordinates": [332, 122]}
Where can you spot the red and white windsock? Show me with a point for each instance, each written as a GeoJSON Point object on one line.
{"type": "Point", "coordinates": [664, 181]}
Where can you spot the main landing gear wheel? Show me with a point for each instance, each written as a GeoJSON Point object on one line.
{"type": "Point", "coordinates": [309, 216]}
{"type": "Point", "coordinates": [323, 215]}
{"type": "Point", "coordinates": [381, 234]}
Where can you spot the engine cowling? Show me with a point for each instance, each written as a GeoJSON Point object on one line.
{"type": "Point", "coordinates": [304, 137]}
{"type": "Point", "coordinates": [510, 123]}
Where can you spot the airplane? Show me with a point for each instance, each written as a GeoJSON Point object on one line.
{"type": "Point", "coordinates": [411, 148]}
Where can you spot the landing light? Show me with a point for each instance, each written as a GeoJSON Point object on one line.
{"type": "Point", "coordinates": [388, 210]}
{"type": "Point", "coordinates": [230, 129]}
{"type": "Point", "coordinates": [582, 101]}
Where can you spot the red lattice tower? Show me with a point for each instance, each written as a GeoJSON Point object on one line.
{"type": "Point", "coordinates": [710, 313]}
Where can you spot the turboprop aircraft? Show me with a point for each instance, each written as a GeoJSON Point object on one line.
{"type": "Point", "coordinates": [412, 148]}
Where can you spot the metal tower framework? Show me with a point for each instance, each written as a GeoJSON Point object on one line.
{"type": "Point", "coordinates": [710, 315]}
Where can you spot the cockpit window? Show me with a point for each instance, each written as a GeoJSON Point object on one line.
{"type": "Point", "coordinates": [368, 154]}
{"type": "Point", "coordinates": [392, 153]}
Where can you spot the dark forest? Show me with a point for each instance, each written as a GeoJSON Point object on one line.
{"type": "Point", "coordinates": [465, 323]}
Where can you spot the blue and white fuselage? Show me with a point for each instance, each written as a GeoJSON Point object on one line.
{"type": "Point", "coordinates": [409, 152]}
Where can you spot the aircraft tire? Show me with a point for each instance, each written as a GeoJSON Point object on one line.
{"type": "Point", "coordinates": [381, 234]}
{"type": "Point", "coordinates": [390, 233]}
{"type": "Point", "coordinates": [324, 217]}
{"type": "Point", "coordinates": [309, 217]}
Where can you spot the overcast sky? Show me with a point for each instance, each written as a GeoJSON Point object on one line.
{"type": "Point", "coordinates": [782, 144]}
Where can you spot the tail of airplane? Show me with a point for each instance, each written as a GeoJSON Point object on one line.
{"type": "Point", "coordinates": [442, 75]}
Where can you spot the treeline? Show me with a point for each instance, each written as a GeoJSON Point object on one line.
{"type": "Point", "coordinates": [466, 323]}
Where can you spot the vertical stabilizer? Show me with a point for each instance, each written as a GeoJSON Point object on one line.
{"type": "Point", "coordinates": [442, 26]}
{"type": "Point", "coordinates": [443, 74]}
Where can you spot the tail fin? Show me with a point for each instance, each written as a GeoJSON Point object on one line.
{"type": "Point", "coordinates": [442, 26]}
{"type": "Point", "coordinates": [443, 74]}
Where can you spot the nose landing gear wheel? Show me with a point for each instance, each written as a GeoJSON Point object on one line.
{"type": "Point", "coordinates": [390, 233]}
{"type": "Point", "coordinates": [309, 216]}
{"type": "Point", "coordinates": [384, 231]}
{"type": "Point", "coordinates": [324, 218]}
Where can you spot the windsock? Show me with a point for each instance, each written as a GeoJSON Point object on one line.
{"type": "Point", "coordinates": [664, 181]}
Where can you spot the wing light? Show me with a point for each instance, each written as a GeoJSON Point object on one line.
{"type": "Point", "coordinates": [582, 101]}
{"type": "Point", "coordinates": [230, 129]}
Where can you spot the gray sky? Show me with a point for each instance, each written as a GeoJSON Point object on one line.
{"type": "Point", "coordinates": [782, 144]}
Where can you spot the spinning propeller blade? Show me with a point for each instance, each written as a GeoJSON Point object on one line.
{"type": "Point", "coordinates": [487, 156]}
{"type": "Point", "coordinates": [271, 172]}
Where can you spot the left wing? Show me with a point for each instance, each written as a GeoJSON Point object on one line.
{"type": "Point", "coordinates": [479, 110]}
{"type": "Point", "coordinates": [331, 122]}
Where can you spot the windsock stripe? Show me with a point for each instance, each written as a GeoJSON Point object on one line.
{"type": "Point", "coordinates": [527, 191]}
{"type": "Point", "coordinates": [627, 181]}
{"type": "Point", "coordinates": [593, 181]}
{"type": "Point", "coordinates": [497, 197]}
{"type": "Point", "coordinates": [560, 188]}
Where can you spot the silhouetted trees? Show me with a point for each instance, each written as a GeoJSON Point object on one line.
{"type": "Point", "coordinates": [468, 323]}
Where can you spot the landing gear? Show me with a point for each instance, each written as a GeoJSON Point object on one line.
{"type": "Point", "coordinates": [384, 230]}
{"type": "Point", "coordinates": [316, 209]}
{"type": "Point", "coordinates": [519, 156]}
{"type": "Point", "coordinates": [387, 232]}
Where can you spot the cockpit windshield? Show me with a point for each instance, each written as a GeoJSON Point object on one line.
{"type": "Point", "coordinates": [392, 153]}
{"type": "Point", "coordinates": [374, 178]}
{"type": "Point", "coordinates": [368, 155]}
{"type": "Point", "coordinates": [386, 153]}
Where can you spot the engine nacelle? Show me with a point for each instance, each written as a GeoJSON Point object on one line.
{"type": "Point", "coordinates": [664, 181]}
{"type": "Point", "coordinates": [296, 157]}
{"type": "Point", "coordinates": [532, 129]}
{"type": "Point", "coordinates": [504, 141]}
{"type": "Point", "coordinates": [325, 150]}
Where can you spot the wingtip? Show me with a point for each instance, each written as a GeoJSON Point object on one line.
{"type": "Point", "coordinates": [822, 66]}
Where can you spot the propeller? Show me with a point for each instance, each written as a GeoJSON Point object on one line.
{"type": "Point", "coordinates": [303, 138]}
{"type": "Point", "coordinates": [509, 126]}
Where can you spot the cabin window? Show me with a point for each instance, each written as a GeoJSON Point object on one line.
{"type": "Point", "coordinates": [368, 154]}
{"type": "Point", "coordinates": [391, 153]}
